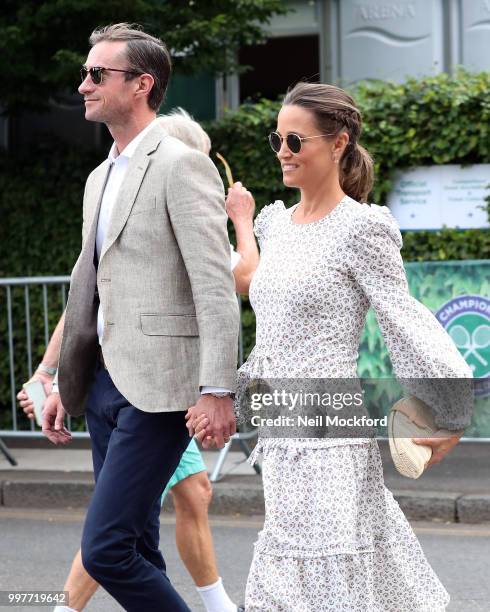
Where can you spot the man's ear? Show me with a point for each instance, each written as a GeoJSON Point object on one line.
{"type": "Point", "coordinates": [145, 83]}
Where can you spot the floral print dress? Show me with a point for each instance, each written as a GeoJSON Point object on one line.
{"type": "Point", "coordinates": [334, 539]}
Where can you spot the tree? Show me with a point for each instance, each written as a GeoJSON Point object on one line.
{"type": "Point", "coordinates": [43, 44]}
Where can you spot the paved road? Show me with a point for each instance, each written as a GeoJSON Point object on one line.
{"type": "Point", "coordinates": [36, 548]}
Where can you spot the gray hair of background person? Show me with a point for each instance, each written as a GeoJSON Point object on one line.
{"type": "Point", "coordinates": [145, 54]}
{"type": "Point", "coordinates": [179, 124]}
{"type": "Point", "coordinates": [335, 111]}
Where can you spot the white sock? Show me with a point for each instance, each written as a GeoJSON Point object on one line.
{"type": "Point", "coordinates": [215, 598]}
{"type": "Point", "coordinates": [63, 609]}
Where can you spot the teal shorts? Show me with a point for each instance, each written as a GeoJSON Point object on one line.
{"type": "Point", "coordinates": [190, 463]}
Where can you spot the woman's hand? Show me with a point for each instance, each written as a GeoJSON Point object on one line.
{"type": "Point", "coordinates": [240, 206]}
{"type": "Point", "coordinates": [202, 434]}
{"type": "Point", "coordinates": [198, 429]}
{"type": "Point", "coordinates": [442, 443]}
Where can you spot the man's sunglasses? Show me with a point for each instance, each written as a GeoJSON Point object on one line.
{"type": "Point", "coordinates": [97, 72]}
{"type": "Point", "coordinates": [293, 141]}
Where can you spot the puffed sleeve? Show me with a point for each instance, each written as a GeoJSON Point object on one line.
{"type": "Point", "coordinates": [265, 219]}
{"type": "Point", "coordinates": [419, 346]}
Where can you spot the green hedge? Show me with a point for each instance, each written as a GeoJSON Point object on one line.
{"type": "Point", "coordinates": [40, 234]}
{"type": "Point", "coordinates": [443, 119]}
{"type": "Point", "coordinates": [437, 120]}
{"type": "Point", "coordinates": [41, 208]}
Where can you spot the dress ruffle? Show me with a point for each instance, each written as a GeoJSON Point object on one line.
{"type": "Point", "coordinates": [334, 538]}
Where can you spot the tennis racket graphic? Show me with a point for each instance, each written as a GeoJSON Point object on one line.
{"type": "Point", "coordinates": [472, 343]}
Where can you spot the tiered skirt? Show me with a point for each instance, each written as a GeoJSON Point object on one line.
{"type": "Point", "coordinates": [334, 538]}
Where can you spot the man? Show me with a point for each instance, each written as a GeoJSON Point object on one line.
{"type": "Point", "coordinates": [151, 309]}
{"type": "Point", "coordinates": [190, 486]}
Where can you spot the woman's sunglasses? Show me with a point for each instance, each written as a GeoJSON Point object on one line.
{"type": "Point", "coordinates": [97, 72]}
{"type": "Point", "coordinates": [293, 141]}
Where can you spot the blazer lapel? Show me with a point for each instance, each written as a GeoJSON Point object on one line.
{"type": "Point", "coordinates": [128, 191]}
{"type": "Point", "coordinates": [94, 201]}
{"type": "Point", "coordinates": [95, 191]}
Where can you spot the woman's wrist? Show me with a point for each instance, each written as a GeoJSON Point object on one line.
{"type": "Point", "coordinates": [45, 369]}
{"type": "Point", "coordinates": [244, 229]}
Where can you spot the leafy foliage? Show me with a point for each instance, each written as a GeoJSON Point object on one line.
{"type": "Point", "coordinates": [437, 120]}
{"type": "Point", "coordinates": [43, 44]}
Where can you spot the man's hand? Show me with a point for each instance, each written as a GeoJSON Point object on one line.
{"type": "Point", "coordinates": [25, 403]}
{"type": "Point", "coordinates": [441, 444]}
{"type": "Point", "coordinates": [240, 205]}
{"type": "Point", "coordinates": [53, 420]}
{"type": "Point", "coordinates": [220, 420]}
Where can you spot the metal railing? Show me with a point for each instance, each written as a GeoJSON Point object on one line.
{"type": "Point", "coordinates": [23, 346]}
{"type": "Point", "coordinates": [24, 341]}
{"type": "Point", "coordinates": [52, 291]}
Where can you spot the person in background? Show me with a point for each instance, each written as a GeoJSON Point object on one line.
{"type": "Point", "coordinates": [240, 209]}
{"type": "Point", "coordinates": [190, 487]}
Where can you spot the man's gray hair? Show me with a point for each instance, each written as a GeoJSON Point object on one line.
{"type": "Point", "coordinates": [145, 54]}
{"type": "Point", "coordinates": [179, 124]}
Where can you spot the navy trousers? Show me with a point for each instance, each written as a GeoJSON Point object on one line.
{"type": "Point", "coordinates": [135, 454]}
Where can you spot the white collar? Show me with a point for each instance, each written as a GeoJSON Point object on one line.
{"type": "Point", "coordinates": [131, 147]}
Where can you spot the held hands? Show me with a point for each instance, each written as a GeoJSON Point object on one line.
{"type": "Point", "coordinates": [240, 205]}
{"type": "Point", "coordinates": [212, 421]}
{"type": "Point", "coordinates": [442, 443]}
{"type": "Point", "coordinates": [201, 435]}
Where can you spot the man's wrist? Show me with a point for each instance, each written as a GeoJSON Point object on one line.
{"type": "Point", "coordinates": [219, 392]}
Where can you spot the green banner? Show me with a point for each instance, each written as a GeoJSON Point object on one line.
{"type": "Point", "coordinates": [458, 293]}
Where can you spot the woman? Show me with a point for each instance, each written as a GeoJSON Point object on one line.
{"type": "Point", "coordinates": [334, 538]}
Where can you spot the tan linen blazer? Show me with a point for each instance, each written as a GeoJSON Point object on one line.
{"type": "Point", "coordinates": [163, 280]}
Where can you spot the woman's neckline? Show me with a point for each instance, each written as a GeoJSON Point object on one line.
{"type": "Point", "coordinates": [330, 212]}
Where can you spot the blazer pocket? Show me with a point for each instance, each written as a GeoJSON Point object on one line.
{"type": "Point", "coordinates": [169, 325]}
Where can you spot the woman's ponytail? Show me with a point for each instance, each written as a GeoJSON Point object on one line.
{"type": "Point", "coordinates": [356, 172]}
